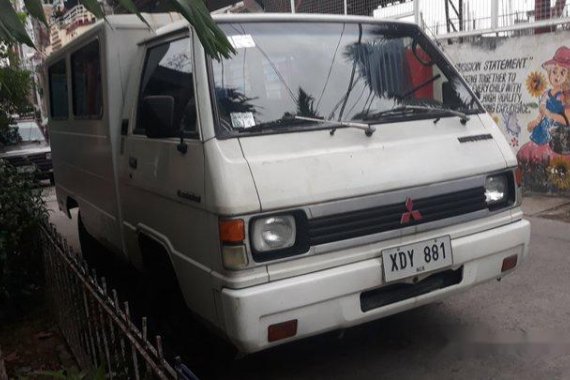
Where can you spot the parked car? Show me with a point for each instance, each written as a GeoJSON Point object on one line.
{"type": "Point", "coordinates": [334, 171]}
{"type": "Point", "coordinates": [31, 152]}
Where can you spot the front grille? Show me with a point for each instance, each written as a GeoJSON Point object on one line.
{"type": "Point", "coordinates": [17, 161]}
{"type": "Point", "coordinates": [39, 160]}
{"type": "Point", "coordinates": [389, 294]}
{"type": "Point", "coordinates": [370, 221]}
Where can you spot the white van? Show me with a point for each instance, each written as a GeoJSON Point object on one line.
{"type": "Point", "coordinates": [334, 171]}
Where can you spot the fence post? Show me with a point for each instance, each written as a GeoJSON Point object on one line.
{"type": "Point", "coordinates": [345, 7]}
{"type": "Point", "coordinates": [416, 11]}
{"type": "Point", "coordinates": [292, 6]}
{"type": "Point", "coordinates": [494, 14]}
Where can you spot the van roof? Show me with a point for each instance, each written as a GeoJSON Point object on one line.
{"type": "Point", "coordinates": [116, 22]}
{"type": "Point", "coordinates": [176, 23]}
{"type": "Point", "coordinates": [271, 17]}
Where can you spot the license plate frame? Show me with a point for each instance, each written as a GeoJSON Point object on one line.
{"type": "Point", "coordinates": [410, 260]}
{"type": "Point", "coordinates": [26, 169]}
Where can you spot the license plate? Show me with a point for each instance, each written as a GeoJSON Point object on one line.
{"type": "Point", "coordinates": [413, 259]}
{"type": "Point", "coordinates": [26, 169]}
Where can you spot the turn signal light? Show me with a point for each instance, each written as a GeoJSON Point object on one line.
{"type": "Point", "coordinates": [282, 330]}
{"type": "Point", "coordinates": [509, 263]}
{"type": "Point", "coordinates": [232, 231]}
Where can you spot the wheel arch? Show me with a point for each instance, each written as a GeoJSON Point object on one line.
{"type": "Point", "coordinates": [70, 203]}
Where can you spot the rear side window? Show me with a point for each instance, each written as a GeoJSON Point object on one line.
{"type": "Point", "coordinates": [168, 72]}
{"type": "Point", "coordinates": [86, 82]}
{"type": "Point", "coordinates": [59, 107]}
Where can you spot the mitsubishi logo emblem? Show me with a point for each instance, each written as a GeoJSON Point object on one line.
{"type": "Point", "coordinates": [411, 214]}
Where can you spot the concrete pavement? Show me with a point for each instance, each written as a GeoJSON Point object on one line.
{"type": "Point", "coordinates": [516, 328]}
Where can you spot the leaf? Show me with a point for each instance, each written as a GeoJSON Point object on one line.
{"type": "Point", "coordinates": [53, 374]}
{"type": "Point", "coordinates": [131, 7]}
{"type": "Point", "coordinates": [36, 9]}
{"type": "Point", "coordinates": [12, 24]}
{"type": "Point", "coordinates": [100, 373]}
{"type": "Point", "coordinates": [210, 35]}
{"type": "Point", "coordinates": [5, 34]}
{"type": "Point", "coordinates": [93, 7]}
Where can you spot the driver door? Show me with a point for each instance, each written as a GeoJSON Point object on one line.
{"type": "Point", "coordinates": [162, 182]}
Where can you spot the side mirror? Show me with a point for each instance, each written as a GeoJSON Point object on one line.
{"type": "Point", "coordinates": [157, 115]}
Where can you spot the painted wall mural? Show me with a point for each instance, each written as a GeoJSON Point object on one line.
{"type": "Point", "coordinates": [524, 83]}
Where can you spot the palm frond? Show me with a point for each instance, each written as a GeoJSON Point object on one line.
{"type": "Point", "coordinates": [11, 24]}
{"type": "Point", "coordinates": [36, 9]}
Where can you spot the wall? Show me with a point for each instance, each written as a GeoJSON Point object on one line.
{"type": "Point", "coordinates": [531, 106]}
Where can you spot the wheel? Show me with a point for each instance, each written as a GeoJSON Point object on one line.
{"type": "Point", "coordinates": [165, 305]}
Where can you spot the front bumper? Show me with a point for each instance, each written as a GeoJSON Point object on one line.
{"type": "Point", "coordinates": [330, 299]}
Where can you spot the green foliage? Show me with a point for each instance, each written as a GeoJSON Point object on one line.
{"type": "Point", "coordinates": [213, 39]}
{"type": "Point", "coordinates": [11, 27]}
{"type": "Point", "coordinates": [14, 89]}
{"type": "Point", "coordinates": [36, 9]}
{"type": "Point", "coordinates": [22, 211]}
{"type": "Point", "coordinates": [98, 374]}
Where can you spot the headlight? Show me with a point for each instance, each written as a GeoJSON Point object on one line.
{"type": "Point", "coordinates": [273, 233]}
{"type": "Point", "coordinates": [496, 190]}
{"type": "Point", "coordinates": [48, 156]}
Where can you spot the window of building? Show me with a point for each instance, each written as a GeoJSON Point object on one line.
{"type": "Point", "coordinates": [86, 81]}
{"type": "Point", "coordinates": [168, 72]}
{"type": "Point", "coordinates": [59, 107]}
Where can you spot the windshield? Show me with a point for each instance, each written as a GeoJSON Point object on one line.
{"type": "Point", "coordinates": [337, 71]}
{"type": "Point", "coordinates": [29, 131]}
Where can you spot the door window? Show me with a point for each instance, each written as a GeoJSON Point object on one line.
{"type": "Point", "coordinates": [58, 90]}
{"type": "Point", "coordinates": [86, 82]}
{"type": "Point", "coordinates": [168, 72]}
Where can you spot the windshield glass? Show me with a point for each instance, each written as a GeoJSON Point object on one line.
{"type": "Point", "coordinates": [339, 71]}
{"type": "Point", "coordinates": [29, 131]}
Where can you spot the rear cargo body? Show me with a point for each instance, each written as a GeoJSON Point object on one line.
{"type": "Point", "coordinates": [278, 227]}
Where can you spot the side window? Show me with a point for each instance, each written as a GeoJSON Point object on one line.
{"type": "Point", "coordinates": [57, 74]}
{"type": "Point", "coordinates": [168, 72]}
{"type": "Point", "coordinates": [86, 82]}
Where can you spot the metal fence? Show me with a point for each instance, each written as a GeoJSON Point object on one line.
{"type": "Point", "coordinates": [464, 18]}
{"type": "Point", "coordinates": [97, 327]}
{"type": "Point", "coordinates": [351, 7]}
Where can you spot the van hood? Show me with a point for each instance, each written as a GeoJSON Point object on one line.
{"type": "Point", "coordinates": [295, 169]}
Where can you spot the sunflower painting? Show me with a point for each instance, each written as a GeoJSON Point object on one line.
{"type": "Point", "coordinates": [549, 132]}
{"type": "Point", "coordinates": [535, 84]}
{"type": "Point", "coordinates": [551, 104]}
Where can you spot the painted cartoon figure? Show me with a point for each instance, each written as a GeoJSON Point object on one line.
{"type": "Point", "coordinates": [554, 109]}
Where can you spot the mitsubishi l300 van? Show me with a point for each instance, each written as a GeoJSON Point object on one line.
{"type": "Point", "coordinates": [334, 171]}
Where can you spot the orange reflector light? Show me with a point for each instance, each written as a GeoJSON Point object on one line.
{"type": "Point", "coordinates": [509, 263]}
{"type": "Point", "coordinates": [232, 231]}
{"type": "Point", "coordinates": [282, 330]}
{"type": "Point", "coordinates": [518, 176]}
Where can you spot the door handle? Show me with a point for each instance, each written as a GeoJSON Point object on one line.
{"type": "Point", "coordinates": [133, 162]}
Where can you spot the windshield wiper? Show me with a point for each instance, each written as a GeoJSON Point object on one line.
{"type": "Point", "coordinates": [420, 86]}
{"type": "Point", "coordinates": [367, 128]}
{"type": "Point", "coordinates": [406, 109]}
